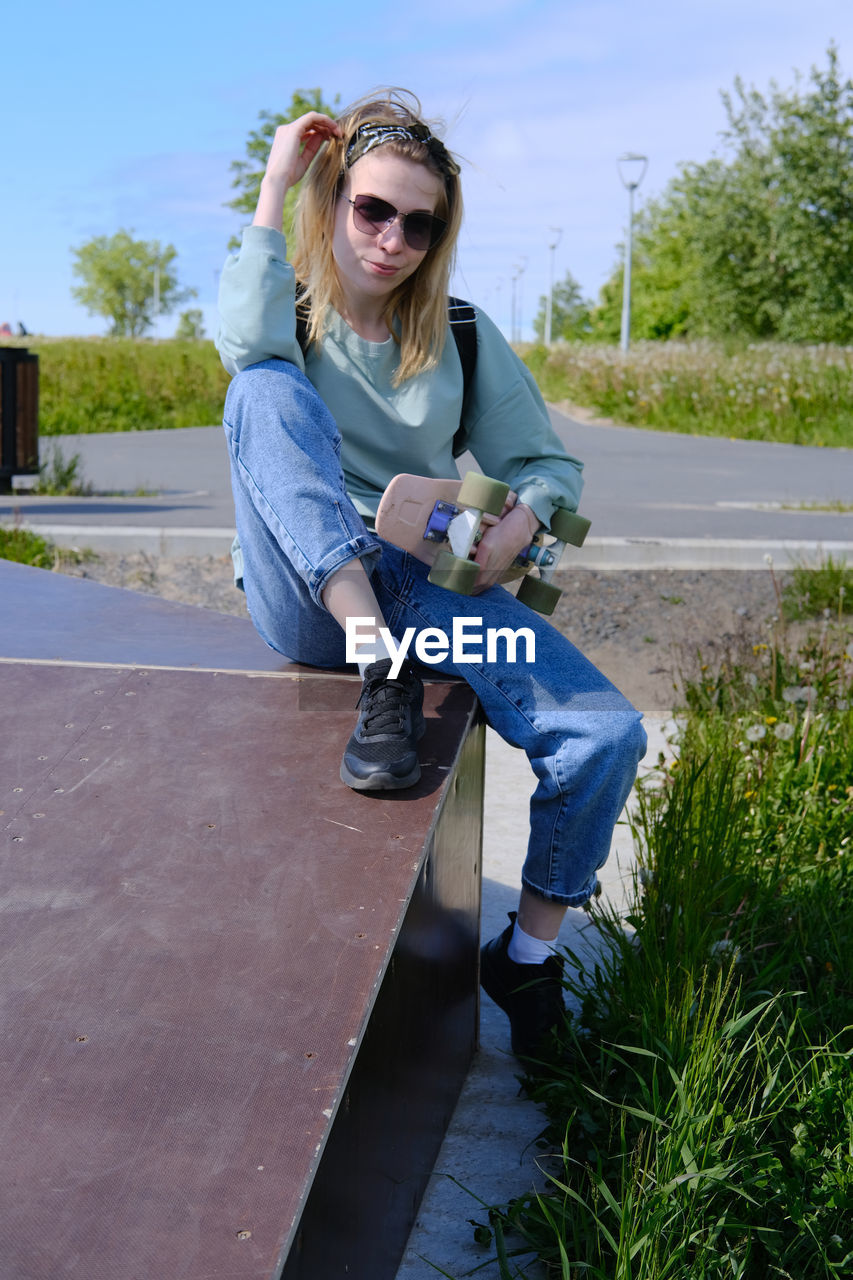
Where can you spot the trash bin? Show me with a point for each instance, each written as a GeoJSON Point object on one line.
{"type": "Point", "coordinates": [19, 414]}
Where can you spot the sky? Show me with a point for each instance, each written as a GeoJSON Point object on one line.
{"type": "Point", "coordinates": [130, 118]}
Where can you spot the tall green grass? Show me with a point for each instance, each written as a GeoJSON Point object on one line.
{"type": "Point", "coordinates": [764, 391]}
{"type": "Point", "coordinates": [116, 384]}
{"type": "Point", "coordinates": [800, 395]}
{"type": "Point", "coordinates": [700, 1108]}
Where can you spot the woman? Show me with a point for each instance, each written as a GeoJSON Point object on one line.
{"type": "Point", "coordinates": [314, 440]}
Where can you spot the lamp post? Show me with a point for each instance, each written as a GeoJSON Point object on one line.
{"type": "Point", "coordinates": [517, 273]}
{"type": "Point", "coordinates": [156, 307]}
{"type": "Point", "coordinates": [632, 170]}
{"type": "Point", "coordinates": [556, 233]}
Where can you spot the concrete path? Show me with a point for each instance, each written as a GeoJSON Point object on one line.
{"type": "Point", "coordinates": [655, 499]}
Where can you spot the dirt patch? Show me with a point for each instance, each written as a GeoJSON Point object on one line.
{"type": "Point", "coordinates": [643, 629]}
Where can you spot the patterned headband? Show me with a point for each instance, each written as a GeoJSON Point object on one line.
{"type": "Point", "coordinates": [367, 136]}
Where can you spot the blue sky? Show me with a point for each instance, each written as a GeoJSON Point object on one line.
{"type": "Point", "coordinates": [130, 118]}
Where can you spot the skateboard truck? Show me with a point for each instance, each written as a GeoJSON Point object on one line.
{"type": "Point", "coordinates": [440, 517]}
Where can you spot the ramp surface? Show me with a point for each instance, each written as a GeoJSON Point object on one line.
{"type": "Point", "coordinates": [205, 936]}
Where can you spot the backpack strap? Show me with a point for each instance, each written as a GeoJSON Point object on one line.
{"type": "Point", "coordinates": [461, 317]}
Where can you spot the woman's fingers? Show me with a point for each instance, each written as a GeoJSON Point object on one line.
{"type": "Point", "coordinates": [296, 144]}
{"type": "Point", "coordinates": [499, 546]}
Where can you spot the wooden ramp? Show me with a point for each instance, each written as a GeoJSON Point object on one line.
{"type": "Point", "coordinates": [237, 999]}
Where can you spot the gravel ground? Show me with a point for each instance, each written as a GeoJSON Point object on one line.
{"type": "Point", "coordinates": [642, 628]}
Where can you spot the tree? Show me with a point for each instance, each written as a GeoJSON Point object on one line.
{"type": "Point", "coordinates": [249, 172]}
{"type": "Point", "coordinates": [757, 243]}
{"type": "Point", "coordinates": [569, 311]}
{"type": "Point", "coordinates": [190, 325]}
{"type": "Point", "coordinates": [120, 281]}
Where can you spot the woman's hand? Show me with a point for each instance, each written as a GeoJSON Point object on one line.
{"type": "Point", "coordinates": [502, 541]}
{"type": "Point", "coordinates": [293, 149]}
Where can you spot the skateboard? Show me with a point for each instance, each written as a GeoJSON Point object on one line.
{"type": "Point", "coordinates": [441, 521]}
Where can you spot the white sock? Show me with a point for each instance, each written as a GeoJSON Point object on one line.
{"type": "Point", "coordinates": [524, 949]}
{"type": "Point", "coordinates": [378, 651]}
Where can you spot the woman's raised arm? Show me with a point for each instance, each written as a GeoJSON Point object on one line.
{"type": "Point", "coordinates": [293, 148]}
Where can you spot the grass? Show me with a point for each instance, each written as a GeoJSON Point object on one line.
{"type": "Point", "coordinates": [767, 391]}
{"type": "Point", "coordinates": [700, 1108]}
{"type": "Point", "coordinates": [810, 593]}
{"type": "Point", "coordinates": [764, 391]}
{"type": "Point", "coordinates": [25, 547]}
{"type": "Point", "coordinates": [117, 384]}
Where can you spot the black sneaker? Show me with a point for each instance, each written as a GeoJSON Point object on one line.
{"type": "Point", "coordinates": [381, 754]}
{"type": "Point", "coordinates": [531, 995]}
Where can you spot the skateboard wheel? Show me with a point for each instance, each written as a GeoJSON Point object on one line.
{"type": "Point", "coordinates": [482, 493]}
{"type": "Point", "coordinates": [568, 526]}
{"type": "Point", "coordinates": [454, 573]}
{"type": "Point", "coordinates": [540, 596]}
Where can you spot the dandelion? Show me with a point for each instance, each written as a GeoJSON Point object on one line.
{"type": "Point", "coordinates": [783, 731]}
{"type": "Point", "coordinates": [793, 693]}
{"type": "Point", "coordinates": [768, 720]}
{"type": "Point", "coordinates": [758, 648]}
{"type": "Point", "coordinates": [751, 679]}
{"type": "Point", "coordinates": [842, 704]}
{"type": "Point", "coordinates": [723, 948]}
{"type": "Point", "coordinates": [756, 732]}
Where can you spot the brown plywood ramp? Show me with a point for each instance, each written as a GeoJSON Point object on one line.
{"type": "Point", "coordinates": [237, 999]}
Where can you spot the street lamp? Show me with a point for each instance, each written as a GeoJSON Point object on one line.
{"type": "Point", "coordinates": [156, 306]}
{"type": "Point", "coordinates": [556, 233]}
{"type": "Point", "coordinates": [632, 170]}
{"type": "Point", "coordinates": [517, 273]}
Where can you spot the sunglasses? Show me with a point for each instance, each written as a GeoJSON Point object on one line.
{"type": "Point", "coordinates": [420, 230]}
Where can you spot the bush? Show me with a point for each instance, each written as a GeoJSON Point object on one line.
{"type": "Point", "coordinates": [116, 384]}
{"type": "Point", "coordinates": [764, 391]}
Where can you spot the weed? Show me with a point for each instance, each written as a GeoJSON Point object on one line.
{"type": "Point", "coordinates": [811, 593]}
{"type": "Point", "coordinates": [700, 1106]}
{"type": "Point", "coordinates": [60, 476]}
{"type": "Point", "coordinates": [25, 547]}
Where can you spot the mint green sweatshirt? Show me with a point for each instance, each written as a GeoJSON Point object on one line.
{"type": "Point", "coordinates": [387, 429]}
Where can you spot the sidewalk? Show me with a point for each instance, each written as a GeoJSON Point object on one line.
{"type": "Point", "coordinates": [656, 501]}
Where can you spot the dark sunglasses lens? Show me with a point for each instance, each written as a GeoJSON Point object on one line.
{"type": "Point", "coordinates": [372, 215]}
{"type": "Point", "coordinates": [422, 230]}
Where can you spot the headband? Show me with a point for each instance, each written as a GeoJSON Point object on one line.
{"type": "Point", "coordinates": [367, 136]}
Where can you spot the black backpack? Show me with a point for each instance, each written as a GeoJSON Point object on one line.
{"type": "Point", "coordinates": [461, 317]}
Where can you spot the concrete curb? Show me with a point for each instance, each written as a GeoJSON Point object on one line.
{"type": "Point", "coordinates": [597, 553]}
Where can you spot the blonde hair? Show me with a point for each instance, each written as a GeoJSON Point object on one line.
{"type": "Point", "coordinates": [419, 304]}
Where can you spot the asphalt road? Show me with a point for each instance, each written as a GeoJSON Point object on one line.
{"type": "Point", "coordinates": [653, 497]}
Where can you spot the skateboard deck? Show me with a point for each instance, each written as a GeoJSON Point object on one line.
{"type": "Point", "coordinates": [440, 521]}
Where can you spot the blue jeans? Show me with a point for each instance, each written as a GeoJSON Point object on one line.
{"type": "Point", "coordinates": [297, 527]}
